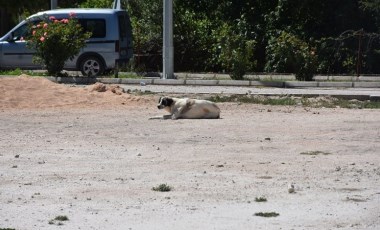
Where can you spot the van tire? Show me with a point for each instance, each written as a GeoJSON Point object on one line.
{"type": "Point", "coordinates": [91, 66]}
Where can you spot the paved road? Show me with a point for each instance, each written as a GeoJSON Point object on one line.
{"type": "Point", "coordinates": [351, 93]}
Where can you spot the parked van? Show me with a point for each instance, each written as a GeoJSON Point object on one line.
{"type": "Point", "coordinates": [109, 46]}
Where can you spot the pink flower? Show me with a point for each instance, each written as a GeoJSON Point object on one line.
{"type": "Point", "coordinates": [52, 18]}
{"type": "Point", "coordinates": [56, 21]}
{"type": "Point", "coordinates": [42, 39]}
{"type": "Point", "coordinates": [45, 25]}
{"type": "Point", "coordinates": [38, 26]}
{"type": "Point", "coordinates": [22, 39]}
{"type": "Point", "coordinates": [45, 34]}
{"type": "Point", "coordinates": [33, 32]}
{"type": "Point", "coordinates": [72, 14]}
{"type": "Point", "coordinates": [65, 20]}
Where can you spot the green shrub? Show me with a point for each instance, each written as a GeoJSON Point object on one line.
{"type": "Point", "coordinates": [236, 49]}
{"type": "Point", "coordinates": [289, 54]}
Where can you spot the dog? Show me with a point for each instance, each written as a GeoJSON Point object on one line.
{"type": "Point", "coordinates": [186, 108]}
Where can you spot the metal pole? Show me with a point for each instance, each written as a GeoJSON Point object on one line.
{"type": "Point", "coordinates": [53, 4]}
{"type": "Point", "coordinates": [168, 49]}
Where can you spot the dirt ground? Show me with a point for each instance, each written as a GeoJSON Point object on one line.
{"type": "Point", "coordinates": [94, 158]}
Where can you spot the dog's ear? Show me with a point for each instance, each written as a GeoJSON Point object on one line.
{"type": "Point", "coordinates": [168, 101]}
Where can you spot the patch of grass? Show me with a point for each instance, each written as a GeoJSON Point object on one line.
{"type": "Point", "coordinates": [129, 75]}
{"type": "Point", "coordinates": [254, 99]}
{"type": "Point", "coordinates": [58, 220]}
{"type": "Point", "coordinates": [138, 92]}
{"type": "Point", "coordinates": [313, 102]}
{"type": "Point", "coordinates": [61, 218]}
{"type": "Point", "coordinates": [267, 214]}
{"type": "Point", "coordinates": [315, 153]}
{"type": "Point", "coordinates": [17, 72]}
{"type": "Point", "coordinates": [11, 72]}
{"type": "Point", "coordinates": [261, 199]}
{"type": "Point", "coordinates": [7, 229]}
{"type": "Point", "coordinates": [162, 188]}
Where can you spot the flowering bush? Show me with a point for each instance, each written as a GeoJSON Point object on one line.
{"type": "Point", "coordinates": [55, 41]}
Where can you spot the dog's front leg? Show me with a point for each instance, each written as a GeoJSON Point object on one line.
{"type": "Point", "coordinates": [177, 113]}
{"type": "Point", "coordinates": [164, 117]}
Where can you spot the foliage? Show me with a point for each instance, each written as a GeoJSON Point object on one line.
{"type": "Point", "coordinates": [162, 188]}
{"type": "Point", "coordinates": [267, 214]}
{"type": "Point", "coordinates": [370, 5]}
{"type": "Point", "coordinates": [236, 49]}
{"type": "Point", "coordinates": [240, 36]}
{"type": "Point", "coordinates": [261, 199]}
{"type": "Point", "coordinates": [56, 41]}
{"type": "Point", "coordinates": [96, 4]}
{"type": "Point", "coordinates": [146, 19]}
{"type": "Point", "coordinates": [289, 54]}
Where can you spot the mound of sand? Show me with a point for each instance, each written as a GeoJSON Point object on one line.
{"type": "Point", "coordinates": [25, 92]}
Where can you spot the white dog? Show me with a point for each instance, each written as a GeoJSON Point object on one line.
{"type": "Point", "coordinates": [187, 108]}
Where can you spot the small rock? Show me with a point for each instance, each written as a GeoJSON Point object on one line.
{"type": "Point", "coordinates": [17, 156]}
{"type": "Point", "coordinates": [291, 188]}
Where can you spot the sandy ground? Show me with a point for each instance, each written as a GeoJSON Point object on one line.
{"type": "Point", "coordinates": [94, 157]}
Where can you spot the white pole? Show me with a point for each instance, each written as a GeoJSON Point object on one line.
{"type": "Point", "coordinates": [168, 49]}
{"type": "Point", "coordinates": [53, 4]}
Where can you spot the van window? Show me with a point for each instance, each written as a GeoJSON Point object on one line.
{"type": "Point", "coordinates": [96, 26]}
{"type": "Point", "coordinates": [20, 32]}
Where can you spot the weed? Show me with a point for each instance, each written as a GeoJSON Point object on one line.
{"type": "Point", "coordinates": [61, 218]}
{"type": "Point", "coordinates": [267, 214]}
{"type": "Point", "coordinates": [58, 220]}
{"type": "Point", "coordinates": [162, 188]}
{"type": "Point", "coordinates": [261, 199]}
{"type": "Point", "coordinates": [315, 153]}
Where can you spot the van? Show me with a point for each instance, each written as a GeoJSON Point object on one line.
{"type": "Point", "coordinates": [109, 47]}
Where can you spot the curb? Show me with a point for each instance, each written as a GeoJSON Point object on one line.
{"type": "Point", "coordinates": [193, 82]}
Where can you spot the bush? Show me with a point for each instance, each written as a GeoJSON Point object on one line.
{"type": "Point", "coordinates": [289, 54]}
{"type": "Point", "coordinates": [236, 51]}
{"type": "Point", "coordinates": [56, 41]}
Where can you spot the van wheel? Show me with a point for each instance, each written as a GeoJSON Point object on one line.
{"type": "Point", "coordinates": [91, 66]}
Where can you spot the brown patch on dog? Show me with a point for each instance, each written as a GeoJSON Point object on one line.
{"type": "Point", "coordinates": [206, 110]}
{"type": "Point", "coordinates": [189, 104]}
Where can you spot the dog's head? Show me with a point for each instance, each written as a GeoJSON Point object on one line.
{"type": "Point", "coordinates": [164, 102]}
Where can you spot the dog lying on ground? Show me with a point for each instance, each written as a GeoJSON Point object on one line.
{"type": "Point", "coordinates": [186, 108]}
